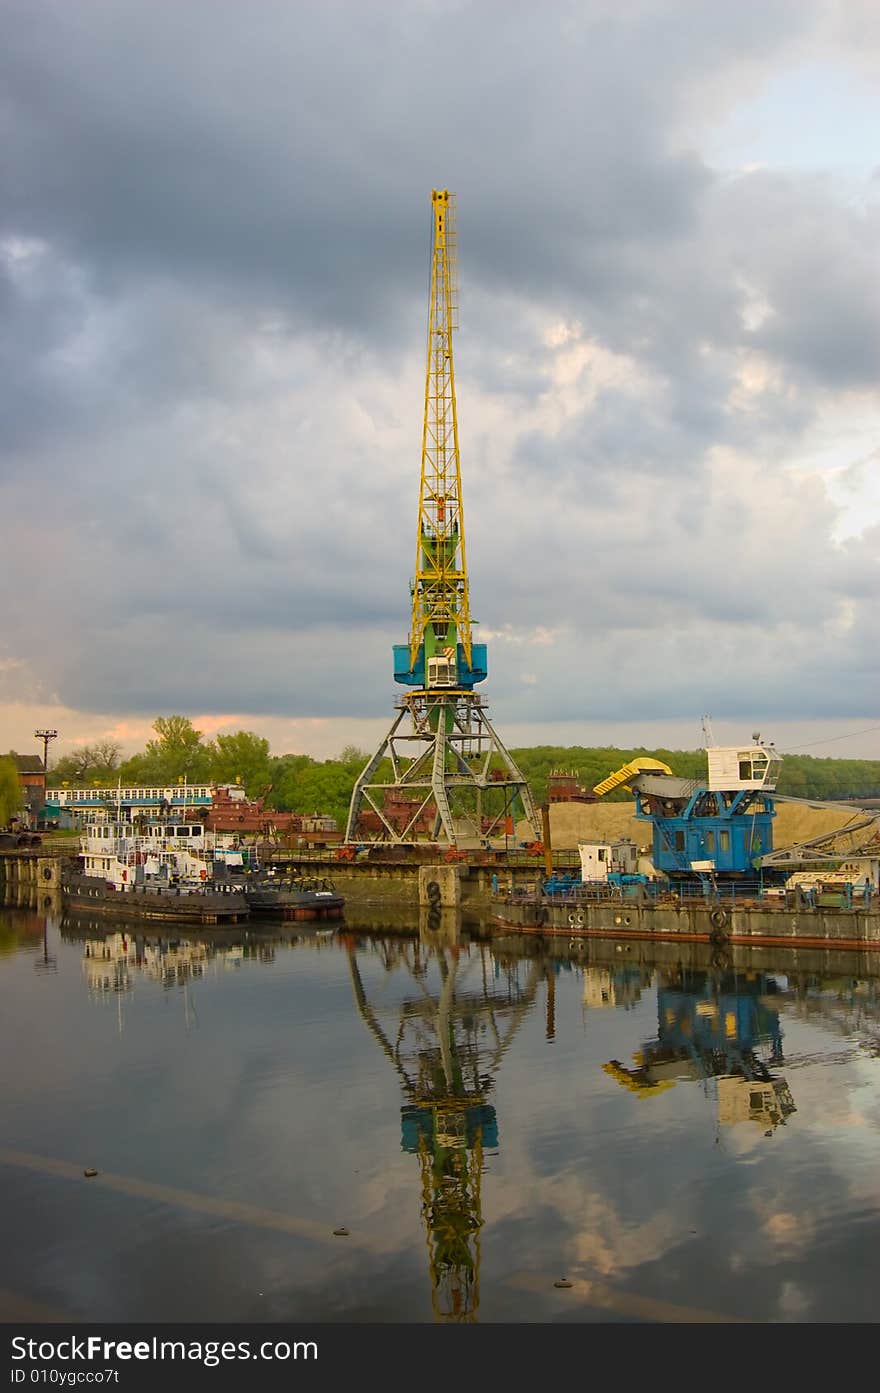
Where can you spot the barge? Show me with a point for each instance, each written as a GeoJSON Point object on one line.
{"type": "Point", "coordinates": [713, 876]}
{"type": "Point", "coordinates": [580, 914]}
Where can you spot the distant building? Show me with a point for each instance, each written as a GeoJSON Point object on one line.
{"type": "Point", "coordinates": [563, 787]}
{"type": "Point", "coordinates": [222, 807]}
{"type": "Point", "coordinates": [400, 810]}
{"type": "Point", "coordinates": [141, 798]}
{"type": "Point", "coordinates": [32, 778]}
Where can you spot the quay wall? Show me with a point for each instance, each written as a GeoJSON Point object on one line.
{"type": "Point", "coordinates": [710, 923]}
{"type": "Point", "coordinates": [31, 876]}
{"type": "Point", "coordinates": [369, 882]}
{"type": "Point", "coordinates": [389, 892]}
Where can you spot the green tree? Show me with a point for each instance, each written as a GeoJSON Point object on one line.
{"type": "Point", "coordinates": [285, 774]}
{"type": "Point", "coordinates": [176, 753]}
{"type": "Point", "coordinates": [88, 763]}
{"type": "Point", "coordinates": [354, 758]}
{"type": "Point", "coordinates": [10, 790]}
{"type": "Point", "coordinates": [242, 755]}
{"type": "Point", "coordinates": [308, 786]}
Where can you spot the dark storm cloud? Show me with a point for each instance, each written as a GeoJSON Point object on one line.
{"type": "Point", "coordinates": [284, 151]}
{"type": "Point", "coordinates": [275, 159]}
{"type": "Point", "coordinates": [212, 306]}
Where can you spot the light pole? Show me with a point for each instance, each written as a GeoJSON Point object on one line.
{"type": "Point", "coordinates": [46, 736]}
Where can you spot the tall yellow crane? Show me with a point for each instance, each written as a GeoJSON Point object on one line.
{"type": "Point", "coordinates": [452, 782]}
{"type": "Point", "coordinates": [441, 607]}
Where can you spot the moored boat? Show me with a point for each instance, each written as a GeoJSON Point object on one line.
{"type": "Point", "coordinates": [152, 871]}
{"type": "Point", "coordinates": [270, 894]}
{"type": "Point", "coordinates": [173, 903]}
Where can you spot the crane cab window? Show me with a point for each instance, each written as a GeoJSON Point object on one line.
{"type": "Point", "coordinates": [441, 672]}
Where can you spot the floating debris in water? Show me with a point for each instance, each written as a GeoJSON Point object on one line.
{"type": "Point", "coordinates": [90, 1171]}
{"type": "Point", "coordinates": [562, 1282]}
{"type": "Point", "coordinates": [340, 1233]}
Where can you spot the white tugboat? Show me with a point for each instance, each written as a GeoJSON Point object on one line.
{"type": "Point", "coordinates": [155, 870]}
{"type": "Point", "coordinates": [171, 869]}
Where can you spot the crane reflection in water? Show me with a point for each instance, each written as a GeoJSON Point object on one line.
{"type": "Point", "coordinates": [446, 1040]}
{"type": "Point", "coordinates": [718, 1026]}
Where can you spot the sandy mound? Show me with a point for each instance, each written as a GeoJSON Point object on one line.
{"type": "Point", "coordinates": [592, 822]}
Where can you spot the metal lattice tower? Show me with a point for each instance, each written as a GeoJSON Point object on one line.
{"type": "Point", "coordinates": [441, 774]}
{"type": "Point", "coordinates": [441, 606]}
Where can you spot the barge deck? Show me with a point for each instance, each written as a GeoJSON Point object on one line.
{"type": "Point", "coordinates": [715, 922]}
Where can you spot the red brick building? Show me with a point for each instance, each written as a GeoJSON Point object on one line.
{"type": "Point", "coordinates": [32, 777]}
{"type": "Point", "coordinates": [563, 787]}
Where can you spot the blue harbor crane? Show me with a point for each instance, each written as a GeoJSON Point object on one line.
{"type": "Point", "coordinates": [712, 829]}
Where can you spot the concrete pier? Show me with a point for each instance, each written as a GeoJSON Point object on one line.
{"type": "Point", "coordinates": [439, 886]}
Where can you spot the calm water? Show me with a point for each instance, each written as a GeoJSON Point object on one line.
{"type": "Point", "coordinates": [680, 1140]}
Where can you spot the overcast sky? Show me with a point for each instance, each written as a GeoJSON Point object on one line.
{"type": "Point", "coordinates": [214, 254]}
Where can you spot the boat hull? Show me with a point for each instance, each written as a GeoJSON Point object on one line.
{"type": "Point", "coordinates": [90, 896]}
{"type": "Point", "coordinates": [718, 924]}
{"type": "Point", "coordinates": [293, 904]}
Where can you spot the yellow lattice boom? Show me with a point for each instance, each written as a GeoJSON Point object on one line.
{"type": "Point", "coordinates": [441, 606]}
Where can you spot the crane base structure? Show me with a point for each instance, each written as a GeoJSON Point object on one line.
{"type": "Point", "coordinates": [452, 782]}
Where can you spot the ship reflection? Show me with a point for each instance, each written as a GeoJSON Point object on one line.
{"type": "Point", "coordinates": [721, 1028]}
{"type": "Point", "coordinates": [114, 960]}
{"type": "Point", "coordinates": [446, 1039]}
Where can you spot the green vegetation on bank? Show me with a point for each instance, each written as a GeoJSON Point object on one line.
{"type": "Point", "coordinates": [10, 790]}
{"type": "Point", "coordinates": [305, 785]}
{"type": "Point", "coordinates": [803, 776]}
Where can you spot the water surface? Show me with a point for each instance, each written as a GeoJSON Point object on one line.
{"type": "Point", "coordinates": [679, 1138]}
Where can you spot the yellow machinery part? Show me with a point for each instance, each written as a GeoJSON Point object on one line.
{"type": "Point", "coordinates": [622, 776]}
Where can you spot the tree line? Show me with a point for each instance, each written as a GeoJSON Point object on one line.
{"type": "Point", "coordinates": [299, 783]}
{"type": "Point", "coordinates": [802, 776]}
{"type": "Point", "coordinates": [288, 782]}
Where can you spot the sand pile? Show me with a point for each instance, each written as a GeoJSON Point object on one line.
{"type": "Point", "coordinates": [592, 822]}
